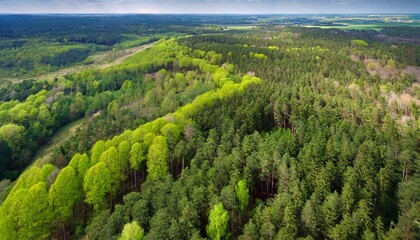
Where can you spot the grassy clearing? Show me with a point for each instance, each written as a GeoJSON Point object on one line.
{"type": "Point", "coordinates": [44, 154]}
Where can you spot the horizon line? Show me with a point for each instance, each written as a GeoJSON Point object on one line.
{"type": "Point", "coordinates": [175, 13]}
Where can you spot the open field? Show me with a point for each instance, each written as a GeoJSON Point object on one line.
{"type": "Point", "coordinates": [352, 27]}
{"type": "Point", "coordinates": [240, 27]}
{"type": "Point", "coordinates": [376, 27]}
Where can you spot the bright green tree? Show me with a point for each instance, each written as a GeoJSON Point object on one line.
{"type": "Point", "coordinates": [136, 156]}
{"type": "Point", "coordinates": [111, 159]}
{"type": "Point", "coordinates": [37, 214]}
{"type": "Point", "coordinates": [132, 231]}
{"type": "Point", "coordinates": [242, 194]}
{"type": "Point", "coordinates": [83, 166]}
{"type": "Point", "coordinates": [97, 151]}
{"type": "Point", "coordinates": [97, 184]}
{"type": "Point", "coordinates": [218, 222]}
{"type": "Point", "coordinates": [157, 158]}
{"type": "Point", "coordinates": [64, 192]}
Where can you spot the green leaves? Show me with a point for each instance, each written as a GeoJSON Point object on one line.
{"type": "Point", "coordinates": [97, 184]}
{"type": "Point", "coordinates": [64, 192]}
{"type": "Point", "coordinates": [136, 156]}
{"type": "Point", "coordinates": [242, 194]}
{"type": "Point", "coordinates": [218, 222]}
{"type": "Point", "coordinates": [157, 158]}
{"type": "Point", "coordinates": [132, 231]}
{"type": "Point", "coordinates": [359, 43]}
{"type": "Point", "coordinates": [36, 214]}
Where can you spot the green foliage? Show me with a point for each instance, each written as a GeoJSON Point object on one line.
{"type": "Point", "coordinates": [157, 158]}
{"type": "Point", "coordinates": [97, 151]}
{"type": "Point", "coordinates": [136, 155]}
{"type": "Point", "coordinates": [220, 76]}
{"type": "Point", "coordinates": [242, 194]}
{"type": "Point", "coordinates": [172, 133]}
{"type": "Point", "coordinates": [132, 231]}
{"type": "Point", "coordinates": [306, 153]}
{"type": "Point", "coordinates": [64, 193]}
{"type": "Point", "coordinates": [97, 184]}
{"type": "Point", "coordinates": [359, 43]}
{"type": "Point", "coordinates": [218, 222]}
{"type": "Point", "coordinates": [38, 57]}
{"type": "Point", "coordinates": [12, 133]}
{"type": "Point", "coordinates": [116, 163]}
{"type": "Point", "coordinates": [258, 55]}
{"type": "Point", "coordinates": [36, 215]}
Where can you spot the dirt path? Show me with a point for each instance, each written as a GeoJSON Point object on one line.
{"type": "Point", "coordinates": [127, 53]}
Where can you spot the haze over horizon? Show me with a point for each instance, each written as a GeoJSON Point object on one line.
{"type": "Point", "coordinates": [212, 6]}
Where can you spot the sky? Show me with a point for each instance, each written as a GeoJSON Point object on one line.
{"type": "Point", "coordinates": [210, 6]}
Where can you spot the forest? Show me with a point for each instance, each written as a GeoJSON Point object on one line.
{"type": "Point", "coordinates": [269, 132]}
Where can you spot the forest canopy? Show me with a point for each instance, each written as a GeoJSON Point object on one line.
{"type": "Point", "coordinates": [265, 133]}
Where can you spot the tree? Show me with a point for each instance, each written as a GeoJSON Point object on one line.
{"type": "Point", "coordinates": [409, 205]}
{"type": "Point", "coordinates": [83, 166]}
{"type": "Point", "coordinates": [97, 151]}
{"type": "Point", "coordinates": [218, 222]}
{"type": "Point", "coordinates": [291, 228]}
{"type": "Point", "coordinates": [136, 159]}
{"type": "Point", "coordinates": [11, 214]}
{"type": "Point", "coordinates": [37, 214]}
{"type": "Point", "coordinates": [242, 194]}
{"type": "Point", "coordinates": [64, 192]}
{"type": "Point", "coordinates": [123, 158]}
{"type": "Point", "coordinates": [97, 184]}
{"type": "Point", "coordinates": [12, 133]}
{"type": "Point", "coordinates": [359, 43]}
{"type": "Point", "coordinates": [160, 225]}
{"type": "Point", "coordinates": [5, 158]}
{"type": "Point", "coordinates": [115, 167]}
{"type": "Point", "coordinates": [172, 133]}
{"type": "Point", "coordinates": [157, 158]}
{"type": "Point", "coordinates": [132, 231]}
{"type": "Point", "coordinates": [350, 190]}
{"type": "Point", "coordinates": [115, 223]}
{"type": "Point", "coordinates": [136, 156]}
{"type": "Point", "coordinates": [310, 218]}
{"type": "Point", "coordinates": [331, 209]}
{"type": "Point", "coordinates": [96, 226]}
{"type": "Point", "coordinates": [74, 162]}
